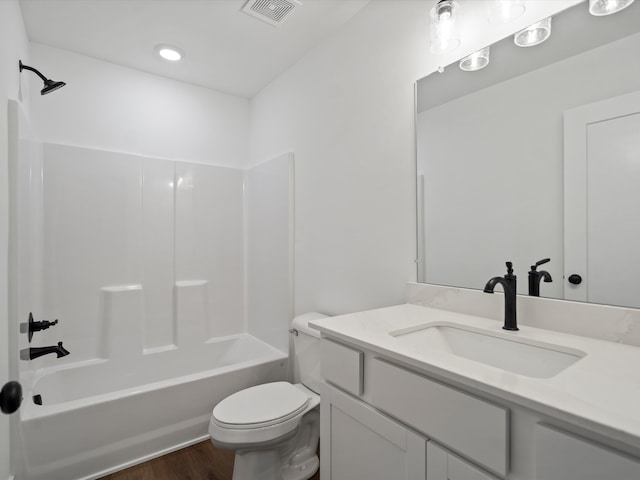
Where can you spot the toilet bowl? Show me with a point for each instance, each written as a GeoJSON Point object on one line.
{"type": "Point", "coordinates": [275, 427]}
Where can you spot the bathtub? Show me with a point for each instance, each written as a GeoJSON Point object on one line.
{"type": "Point", "coordinates": [104, 415]}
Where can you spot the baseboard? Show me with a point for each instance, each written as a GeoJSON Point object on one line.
{"type": "Point", "coordinates": [143, 459]}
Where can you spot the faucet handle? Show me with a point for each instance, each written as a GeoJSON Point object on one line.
{"type": "Point", "coordinates": [33, 326]}
{"type": "Point", "coordinates": [541, 262]}
{"type": "Point", "coordinates": [509, 268]}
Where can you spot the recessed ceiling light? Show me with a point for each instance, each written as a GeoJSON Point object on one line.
{"type": "Point", "coordinates": [169, 52]}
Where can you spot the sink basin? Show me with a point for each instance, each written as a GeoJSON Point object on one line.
{"type": "Point", "coordinates": [505, 351]}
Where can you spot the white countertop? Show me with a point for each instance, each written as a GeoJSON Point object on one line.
{"type": "Point", "coordinates": [600, 392]}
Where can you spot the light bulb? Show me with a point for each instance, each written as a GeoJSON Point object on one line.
{"type": "Point", "coordinates": [444, 33]}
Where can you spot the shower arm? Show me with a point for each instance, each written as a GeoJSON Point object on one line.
{"type": "Point", "coordinates": [27, 67]}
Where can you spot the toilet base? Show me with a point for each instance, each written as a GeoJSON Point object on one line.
{"type": "Point", "coordinates": [267, 465]}
{"type": "Point", "coordinates": [295, 459]}
{"type": "Point", "coordinates": [301, 471]}
{"type": "Point", "coordinates": [257, 465]}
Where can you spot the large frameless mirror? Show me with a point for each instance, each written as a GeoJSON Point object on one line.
{"type": "Point", "coordinates": [537, 156]}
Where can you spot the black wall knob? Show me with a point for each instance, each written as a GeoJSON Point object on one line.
{"type": "Point", "coordinates": [575, 279]}
{"type": "Point", "coordinates": [10, 397]}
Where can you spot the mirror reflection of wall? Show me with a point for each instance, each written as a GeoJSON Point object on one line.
{"type": "Point", "coordinates": [490, 148]}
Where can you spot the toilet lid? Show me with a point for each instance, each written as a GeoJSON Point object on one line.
{"type": "Point", "coordinates": [261, 405]}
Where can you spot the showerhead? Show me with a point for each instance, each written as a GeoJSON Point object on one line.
{"type": "Point", "coordinates": [49, 85]}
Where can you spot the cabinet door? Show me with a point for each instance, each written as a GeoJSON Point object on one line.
{"type": "Point", "coordinates": [358, 442]}
{"type": "Point", "coordinates": [561, 455]}
{"type": "Point", "coordinates": [441, 465]}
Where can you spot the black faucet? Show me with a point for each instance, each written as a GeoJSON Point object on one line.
{"type": "Point", "coordinates": [535, 276]}
{"type": "Point", "coordinates": [508, 283]}
{"type": "Point", "coordinates": [35, 352]}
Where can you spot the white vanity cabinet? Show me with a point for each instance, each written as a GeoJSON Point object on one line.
{"type": "Point", "coordinates": [360, 443]}
{"type": "Point", "coordinates": [382, 419]}
{"type": "Point", "coordinates": [459, 414]}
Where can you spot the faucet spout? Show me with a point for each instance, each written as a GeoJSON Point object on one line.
{"type": "Point", "coordinates": [35, 352]}
{"type": "Point", "coordinates": [508, 283]}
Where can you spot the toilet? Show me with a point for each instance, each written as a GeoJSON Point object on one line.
{"type": "Point", "coordinates": [275, 427]}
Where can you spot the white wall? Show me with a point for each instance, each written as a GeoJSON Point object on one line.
{"type": "Point", "coordinates": [346, 110]}
{"type": "Point", "coordinates": [496, 205]}
{"type": "Point", "coordinates": [108, 107]}
{"type": "Point", "coordinates": [13, 46]}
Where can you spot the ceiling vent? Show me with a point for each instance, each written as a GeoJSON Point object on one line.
{"type": "Point", "coordinates": [273, 12]}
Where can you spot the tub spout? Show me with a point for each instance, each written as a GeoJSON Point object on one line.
{"type": "Point", "coordinates": [35, 352]}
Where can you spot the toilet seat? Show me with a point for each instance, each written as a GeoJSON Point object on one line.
{"type": "Point", "coordinates": [234, 434]}
{"type": "Point", "coordinates": [260, 406]}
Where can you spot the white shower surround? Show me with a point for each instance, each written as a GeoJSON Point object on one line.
{"type": "Point", "coordinates": [143, 261]}
{"type": "Point", "coordinates": [131, 253]}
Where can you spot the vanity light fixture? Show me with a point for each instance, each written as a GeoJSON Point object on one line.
{"type": "Point", "coordinates": [476, 61]}
{"type": "Point", "coordinates": [504, 11]}
{"type": "Point", "coordinates": [600, 8]}
{"type": "Point", "coordinates": [169, 52]}
{"type": "Point", "coordinates": [534, 34]}
{"type": "Point", "coordinates": [444, 33]}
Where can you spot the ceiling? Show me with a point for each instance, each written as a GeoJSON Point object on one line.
{"type": "Point", "coordinates": [225, 49]}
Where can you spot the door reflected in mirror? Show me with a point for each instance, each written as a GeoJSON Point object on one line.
{"type": "Point", "coordinates": [536, 156]}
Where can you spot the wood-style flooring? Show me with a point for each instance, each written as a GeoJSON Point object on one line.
{"type": "Point", "coordinates": [201, 461]}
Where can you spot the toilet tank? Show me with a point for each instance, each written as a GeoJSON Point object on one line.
{"type": "Point", "coordinates": [306, 354]}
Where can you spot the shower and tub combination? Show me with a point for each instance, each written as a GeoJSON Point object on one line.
{"type": "Point", "coordinates": [104, 415]}
{"type": "Point", "coordinates": [143, 261]}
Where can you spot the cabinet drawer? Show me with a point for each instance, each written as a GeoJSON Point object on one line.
{"type": "Point", "coordinates": [342, 366]}
{"type": "Point", "coordinates": [463, 423]}
{"type": "Point", "coordinates": [562, 455]}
